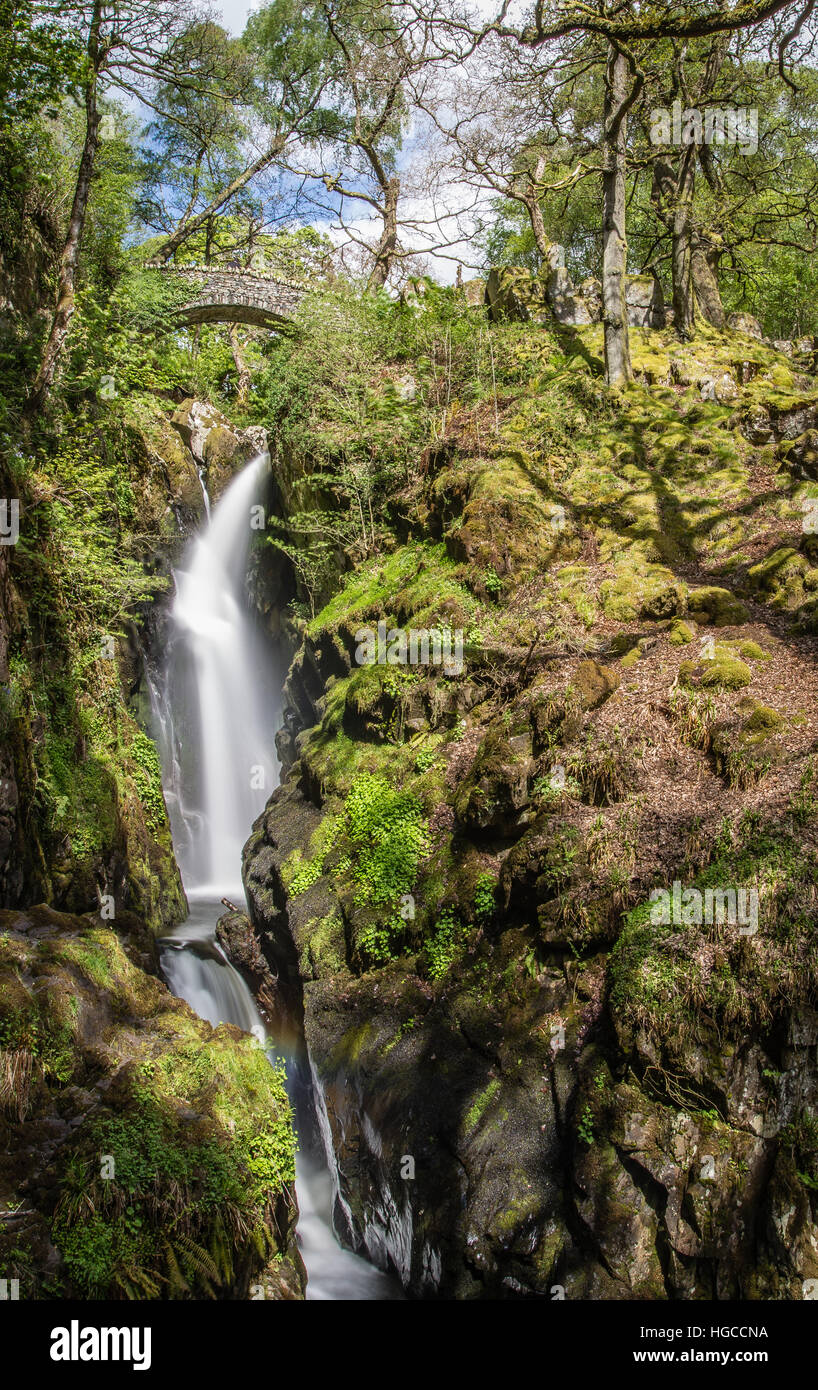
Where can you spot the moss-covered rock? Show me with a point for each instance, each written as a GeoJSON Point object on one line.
{"type": "Point", "coordinates": [495, 795]}
{"type": "Point", "coordinates": [719, 607]}
{"type": "Point", "coordinates": [780, 576]}
{"type": "Point", "coordinates": [159, 1153]}
{"type": "Point", "coordinates": [747, 745]}
{"type": "Point", "coordinates": [680, 633]}
{"type": "Point", "coordinates": [722, 668]}
{"type": "Point", "coordinates": [651, 592]}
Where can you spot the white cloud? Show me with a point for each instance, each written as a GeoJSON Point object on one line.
{"type": "Point", "coordinates": [235, 12]}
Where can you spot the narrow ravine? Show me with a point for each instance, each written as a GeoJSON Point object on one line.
{"type": "Point", "coordinates": [216, 706]}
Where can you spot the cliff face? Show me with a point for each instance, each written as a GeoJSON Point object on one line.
{"type": "Point", "coordinates": [530, 1077]}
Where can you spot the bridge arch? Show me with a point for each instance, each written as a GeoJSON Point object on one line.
{"type": "Point", "coordinates": [235, 296]}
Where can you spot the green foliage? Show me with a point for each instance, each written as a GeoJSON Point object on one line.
{"type": "Point", "coordinates": [387, 835]}
{"type": "Point", "coordinates": [40, 60]}
{"type": "Point", "coordinates": [379, 942]}
{"type": "Point", "coordinates": [298, 876]}
{"type": "Point", "coordinates": [75, 557]}
{"type": "Point", "coordinates": [148, 779]}
{"type": "Point", "coordinates": [585, 1126]}
{"type": "Point", "coordinates": [484, 903]}
{"type": "Point", "coordinates": [493, 583]}
{"type": "Point", "coordinates": [442, 947]}
{"type": "Point", "coordinates": [344, 410]}
{"type": "Point", "coordinates": [178, 1201]}
{"type": "Point", "coordinates": [425, 759]}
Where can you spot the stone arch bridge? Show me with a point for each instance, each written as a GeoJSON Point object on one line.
{"type": "Point", "coordinates": [233, 295]}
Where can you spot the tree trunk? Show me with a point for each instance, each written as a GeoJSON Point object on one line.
{"type": "Point", "coordinates": [388, 244]}
{"type": "Point", "coordinates": [532, 202]}
{"type": "Point", "coordinates": [541, 240]}
{"type": "Point", "coordinates": [684, 302]}
{"type": "Point", "coordinates": [242, 369]}
{"type": "Point", "coordinates": [704, 261]}
{"type": "Point", "coordinates": [69, 261]}
{"type": "Point", "coordinates": [615, 250]}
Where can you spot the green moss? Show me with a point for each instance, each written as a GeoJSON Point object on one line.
{"type": "Point", "coordinates": [573, 589]}
{"type": "Point", "coordinates": [325, 950]}
{"type": "Point", "coordinates": [716, 606]}
{"type": "Point", "coordinates": [780, 577]}
{"type": "Point", "coordinates": [680, 633]}
{"type": "Point", "coordinates": [478, 1109]}
{"type": "Point", "coordinates": [423, 574]}
{"type": "Point", "coordinates": [723, 670]}
{"type": "Point", "coordinates": [746, 752]}
{"type": "Point", "coordinates": [649, 592]}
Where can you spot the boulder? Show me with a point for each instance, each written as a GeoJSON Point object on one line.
{"type": "Point", "coordinates": [746, 324]}
{"type": "Point", "coordinates": [722, 388]}
{"type": "Point", "coordinates": [512, 292]}
{"type": "Point", "coordinates": [800, 455]}
{"type": "Point", "coordinates": [569, 306]}
{"type": "Point", "coordinates": [475, 292]}
{"type": "Point", "coordinates": [591, 292]}
{"type": "Point", "coordinates": [712, 605]}
{"type": "Point", "coordinates": [645, 301]}
{"type": "Point", "coordinates": [237, 937]}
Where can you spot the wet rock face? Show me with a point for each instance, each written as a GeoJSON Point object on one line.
{"type": "Point", "coordinates": [235, 935]}
{"type": "Point", "coordinates": [129, 1129]}
{"type": "Point", "coordinates": [11, 865]}
{"type": "Point", "coordinates": [481, 1144]}
{"type": "Point", "coordinates": [214, 446]}
{"type": "Point", "coordinates": [438, 1142]}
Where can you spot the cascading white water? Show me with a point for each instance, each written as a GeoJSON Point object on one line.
{"type": "Point", "coordinates": [215, 711]}
{"type": "Point", "coordinates": [215, 649]}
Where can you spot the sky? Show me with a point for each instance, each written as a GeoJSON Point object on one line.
{"type": "Point", "coordinates": [235, 13]}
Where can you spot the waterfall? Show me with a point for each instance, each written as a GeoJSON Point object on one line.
{"type": "Point", "coordinates": [216, 706]}
{"type": "Point", "coordinates": [218, 673]}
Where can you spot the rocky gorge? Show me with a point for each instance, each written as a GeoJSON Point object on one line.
{"type": "Point", "coordinates": [522, 1084]}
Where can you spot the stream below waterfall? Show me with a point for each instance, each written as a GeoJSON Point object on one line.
{"type": "Point", "coordinates": [216, 706]}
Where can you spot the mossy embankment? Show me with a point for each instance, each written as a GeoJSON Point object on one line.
{"type": "Point", "coordinates": [109, 497]}
{"type": "Point", "coordinates": [454, 876]}
{"type": "Point", "coordinates": [145, 1154]}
